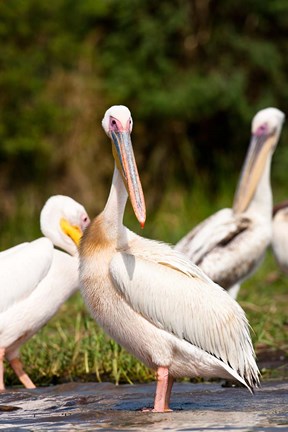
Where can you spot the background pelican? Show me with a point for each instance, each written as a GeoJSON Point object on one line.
{"type": "Point", "coordinates": [152, 299]}
{"type": "Point", "coordinates": [280, 235]}
{"type": "Point", "coordinates": [230, 244]}
{"type": "Point", "coordinates": [36, 279]}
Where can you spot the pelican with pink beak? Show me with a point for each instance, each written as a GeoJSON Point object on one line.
{"type": "Point", "coordinates": [230, 245]}
{"type": "Point", "coordinates": [152, 299]}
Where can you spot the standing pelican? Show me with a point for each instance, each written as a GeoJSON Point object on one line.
{"type": "Point", "coordinates": [229, 245]}
{"type": "Point", "coordinates": [280, 235]}
{"type": "Point", "coordinates": [152, 299]}
{"type": "Point", "coordinates": [36, 279]}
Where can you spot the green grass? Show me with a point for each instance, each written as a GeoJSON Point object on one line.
{"type": "Point", "coordinates": [71, 347]}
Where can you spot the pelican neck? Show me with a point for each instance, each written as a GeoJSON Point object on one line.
{"type": "Point", "coordinates": [116, 203]}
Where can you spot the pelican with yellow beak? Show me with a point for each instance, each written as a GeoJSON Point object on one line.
{"type": "Point", "coordinates": [230, 245]}
{"type": "Point", "coordinates": [37, 278]}
{"type": "Point", "coordinates": [152, 299]}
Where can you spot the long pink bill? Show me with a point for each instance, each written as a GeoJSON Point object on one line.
{"type": "Point", "coordinates": [257, 154]}
{"type": "Point", "coordinates": [125, 160]}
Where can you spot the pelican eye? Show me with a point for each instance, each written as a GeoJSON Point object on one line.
{"type": "Point", "coordinates": [262, 130]}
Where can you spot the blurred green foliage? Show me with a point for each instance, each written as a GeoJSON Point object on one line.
{"type": "Point", "coordinates": [193, 73]}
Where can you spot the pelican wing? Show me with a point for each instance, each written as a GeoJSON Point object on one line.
{"type": "Point", "coordinates": [12, 250]}
{"type": "Point", "coordinates": [22, 268]}
{"type": "Point", "coordinates": [217, 230]}
{"type": "Point", "coordinates": [168, 291]}
{"type": "Point", "coordinates": [28, 314]}
{"type": "Point", "coordinates": [280, 235]}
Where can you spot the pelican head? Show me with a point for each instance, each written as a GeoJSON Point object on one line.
{"type": "Point", "coordinates": [266, 128]}
{"type": "Point", "coordinates": [63, 221]}
{"type": "Point", "coordinates": [118, 123]}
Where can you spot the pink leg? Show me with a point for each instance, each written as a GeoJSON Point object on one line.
{"type": "Point", "coordinates": [168, 393]}
{"type": "Point", "coordinates": [23, 377]}
{"type": "Point", "coordinates": [2, 356]}
{"type": "Point", "coordinates": [163, 390]}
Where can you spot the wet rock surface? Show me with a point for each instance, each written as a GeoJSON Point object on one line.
{"type": "Point", "coordinates": [106, 407]}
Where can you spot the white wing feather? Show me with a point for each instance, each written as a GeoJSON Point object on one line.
{"type": "Point", "coordinates": [161, 282]}
{"type": "Point", "coordinates": [212, 232]}
{"type": "Point", "coordinates": [17, 282]}
{"type": "Point", "coordinates": [26, 316]}
{"type": "Point", "coordinates": [228, 247]}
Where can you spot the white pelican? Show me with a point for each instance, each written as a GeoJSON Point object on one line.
{"type": "Point", "coordinates": [152, 299]}
{"type": "Point", "coordinates": [37, 279]}
{"type": "Point", "coordinates": [280, 235]}
{"type": "Point", "coordinates": [229, 245]}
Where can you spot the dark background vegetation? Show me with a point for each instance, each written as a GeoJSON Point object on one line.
{"type": "Point", "coordinates": [193, 73]}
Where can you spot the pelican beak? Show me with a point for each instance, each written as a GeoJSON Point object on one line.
{"type": "Point", "coordinates": [72, 231]}
{"type": "Point", "coordinates": [125, 161]}
{"type": "Point", "coordinates": [261, 146]}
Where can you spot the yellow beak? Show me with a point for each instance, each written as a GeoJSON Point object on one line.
{"type": "Point", "coordinates": [73, 231]}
